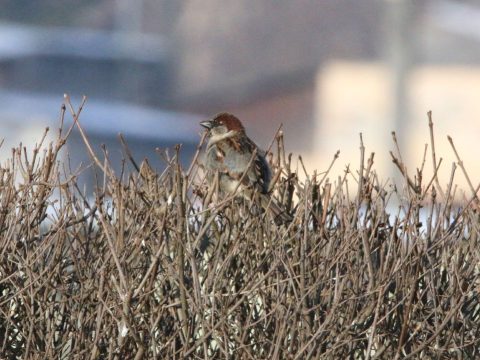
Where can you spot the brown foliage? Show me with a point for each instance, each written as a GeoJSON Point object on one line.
{"type": "Point", "coordinates": [155, 265]}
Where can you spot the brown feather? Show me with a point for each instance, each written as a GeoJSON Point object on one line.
{"type": "Point", "coordinates": [230, 121]}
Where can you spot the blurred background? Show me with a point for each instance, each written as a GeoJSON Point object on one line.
{"type": "Point", "coordinates": [327, 70]}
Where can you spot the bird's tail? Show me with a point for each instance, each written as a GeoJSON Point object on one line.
{"type": "Point", "coordinates": [280, 214]}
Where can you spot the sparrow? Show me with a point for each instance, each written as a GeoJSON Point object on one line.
{"type": "Point", "coordinates": [239, 162]}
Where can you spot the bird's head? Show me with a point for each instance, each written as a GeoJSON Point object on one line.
{"type": "Point", "coordinates": [223, 125]}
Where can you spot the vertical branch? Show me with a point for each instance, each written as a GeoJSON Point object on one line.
{"type": "Point", "coordinates": [434, 155]}
{"type": "Point", "coordinates": [180, 249]}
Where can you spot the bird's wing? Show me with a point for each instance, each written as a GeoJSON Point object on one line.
{"type": "Point", "coordinates": [240, 157]}
{"type": "Point", "coordinates": [262, 169]}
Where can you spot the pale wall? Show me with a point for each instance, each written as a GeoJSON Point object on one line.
{"type": "Point", "coordinates": [357, 97]}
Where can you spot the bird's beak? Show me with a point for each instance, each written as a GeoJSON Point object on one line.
{"type": "Point", "coordinates": [207, 124]}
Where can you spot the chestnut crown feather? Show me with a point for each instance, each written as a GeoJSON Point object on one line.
{"type": "Point", "coordinates": [230, 121]}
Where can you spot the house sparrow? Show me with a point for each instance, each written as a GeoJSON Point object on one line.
{"type": "Point", "coordinates": [239, 162]}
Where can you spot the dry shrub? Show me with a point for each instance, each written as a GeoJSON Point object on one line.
{"type": "Point", "coordinates": [155, 265]}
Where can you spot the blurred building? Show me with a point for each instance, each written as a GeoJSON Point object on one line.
{"type": "Point", "coordinates": [331, 70]}
{"type": "Point", "coordinates": [126, 75]}
{"type": "Point", "coordinates": [259, 59]}
{"type": "Point", "coordinates": [326, 70]}
{"type": "Point", "coordinates": [103, 64]}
